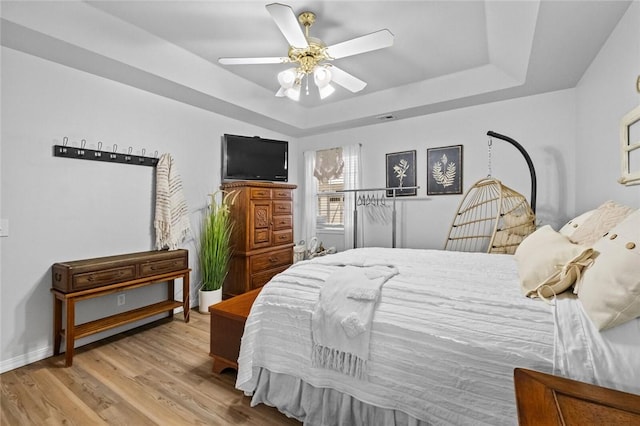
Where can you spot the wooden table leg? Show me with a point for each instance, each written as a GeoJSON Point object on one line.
{"type": "Point", "coordinates": [69, 332]}
{"type": "Point", "coordinates": [171, 293]}
{"type": "Point", "coordinates": [186, 290]}
{"type": "Point", "coordinates": [57, 324]}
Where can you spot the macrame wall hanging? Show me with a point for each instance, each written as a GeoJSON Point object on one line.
{"type": "Point", "coordinates": [492, 217]}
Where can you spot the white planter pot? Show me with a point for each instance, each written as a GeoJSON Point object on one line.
{"type": "Point", "coordinates": [208, 298]}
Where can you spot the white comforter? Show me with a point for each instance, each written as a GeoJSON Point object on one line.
{"type": "Point", "coordinates": [446, 335]}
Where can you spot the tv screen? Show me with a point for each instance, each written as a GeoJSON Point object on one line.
{"type": "Point", "coordinates": [254, 158]}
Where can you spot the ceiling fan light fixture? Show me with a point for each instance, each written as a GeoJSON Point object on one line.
{"type": "Point", "coordinates": [321, 76]}
{"type": "Point", "coordinates": [326, 90]}
{"type": "Point", "coordinates": [287, 78]}
{"type": "Point", "coordinates": [293, 93]}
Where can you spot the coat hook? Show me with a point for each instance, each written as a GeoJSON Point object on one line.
{"type": "Point", "coordinates": [99, 146]}
{"type": "Point", "coordinates": [80, 151]}
{"type": "Point", "coordinates": [65, 141]}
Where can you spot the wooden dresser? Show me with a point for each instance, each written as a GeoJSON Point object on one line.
{"type": "Point", "coordinates": [262, 236]}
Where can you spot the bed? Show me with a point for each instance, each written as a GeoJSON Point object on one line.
{"type": "Point", "coordinates": [447, 333]}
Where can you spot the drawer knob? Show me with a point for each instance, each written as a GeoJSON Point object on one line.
{"type": "Point", "coordinates": [273, 259]}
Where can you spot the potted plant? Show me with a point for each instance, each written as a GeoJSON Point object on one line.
{"type": "Point", "coordinates": [215, 249]}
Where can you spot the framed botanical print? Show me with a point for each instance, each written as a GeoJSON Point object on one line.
{"type": "Point", "coordinates": [444, 170]}
{"type": "Point", "coordinates": [401, 173]}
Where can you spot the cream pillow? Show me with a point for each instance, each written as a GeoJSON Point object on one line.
{"type": "Point", "coordinates": [543, 259]}
{"type": "Point", "coordinates": [519, 224]}
{"type": "Point", "coordinates": [610, 289]}
{"type": "Point", "coordinates": [570, 227]}
{"type": "Point", "coordinates": [600, 222]}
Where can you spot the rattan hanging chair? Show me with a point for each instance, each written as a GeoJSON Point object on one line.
{"type": "Point", "coordinates": [491, 218]}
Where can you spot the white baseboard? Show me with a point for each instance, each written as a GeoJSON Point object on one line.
{"type": "Point", "coordinates": [42, 353]}
{"type": "Point", "coordinates": [24, 359]}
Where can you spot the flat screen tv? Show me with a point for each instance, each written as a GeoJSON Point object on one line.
{"type": "Point", "coordinates": [254, 158]}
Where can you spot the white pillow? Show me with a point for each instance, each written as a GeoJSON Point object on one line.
{"type": "Point", "coordinates": [570, 227]}
{"type": "Point", "coordinates": [542, 258]}
{"type": "Point", "coordinates": [610, 289]}
{"type": "Point", "coordinates": [600, 222]}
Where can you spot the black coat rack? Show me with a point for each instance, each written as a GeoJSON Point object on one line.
{"type": "Point", "coordinates": [107, 156]}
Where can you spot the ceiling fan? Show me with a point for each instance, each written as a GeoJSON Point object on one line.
{"type": "Point", "coordinates": [312, 56]}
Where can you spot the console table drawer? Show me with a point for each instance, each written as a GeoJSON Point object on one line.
{"type": "Point", "coordinates": [262, 262]}
{"type": "Point", "coordinates": [163, 266]}
{"type": "Point", "coordinates": [101, 278]}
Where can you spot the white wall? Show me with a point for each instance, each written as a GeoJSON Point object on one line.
{"type": "Point", "coordinates": [605, 93]}
{"type": "Point", "coordinates": [543, 124]}
{"type": "Point", "coordinates": [63, 209]}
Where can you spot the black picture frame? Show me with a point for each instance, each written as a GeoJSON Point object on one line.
{"type": "Point", "coordinates": [401, 172]}
{"type": "Point", "coordinates": [444, 170]}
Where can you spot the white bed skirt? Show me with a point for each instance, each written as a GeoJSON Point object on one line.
{"type": "Point", "coordinates": [322, 406]}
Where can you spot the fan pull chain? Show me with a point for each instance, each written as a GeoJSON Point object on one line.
{"type": "Point", "coordinates": [489, 143]}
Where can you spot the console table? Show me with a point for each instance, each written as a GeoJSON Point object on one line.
{"type": "Point", "coordinates": [90, 278]}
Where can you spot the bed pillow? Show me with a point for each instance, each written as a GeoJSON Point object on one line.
{"type": "Point", "coordinates": [610, 289]}
{"type": "Point", "coordinates": [570, 227]}
{"type": "Point", "coordinates": [547, 262]}
{"type": "Point", "coordinates": [600, 222]}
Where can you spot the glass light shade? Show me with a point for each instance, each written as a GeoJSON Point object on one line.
{"type": "Point", "coordinates": [287, 78]}
{"type": "Point", "coordinates": [326, 90]}
{"type": "Point", "coordinates": [280, 92]}
{"type": "Point", "coordinates": [321, 76]}
{"type": "Point", "coordinates": [293, 93]}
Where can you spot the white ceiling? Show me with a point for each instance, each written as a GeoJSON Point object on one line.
{"type": "Point", "coordinates": [447, 54]}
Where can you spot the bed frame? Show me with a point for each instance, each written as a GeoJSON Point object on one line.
{"type": "Point", "coordinates": [543, 399]}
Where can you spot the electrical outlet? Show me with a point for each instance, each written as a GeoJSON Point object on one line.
{"type": "Point", "coordinates": [121, 300]}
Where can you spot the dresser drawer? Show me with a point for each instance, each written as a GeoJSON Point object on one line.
{"type": "Point", "coordinates": [282, 237]}
{"type": "Point", "coordinates": [282, 222]}
{"type": "Point", "coordinates": [260, 279]}
{"type": "Point", "coordinates": [163, 266]}
{"type": "Point", "coordinates": [260, 193]}
{"type": "Point", "coordinates": [282, 207]}
{"type": "Point", "coordinates": [282, 194]}
{"type": "Point", "coordinates": [263, 262]}
{"type": "Point", "coordinates": [104, 277]}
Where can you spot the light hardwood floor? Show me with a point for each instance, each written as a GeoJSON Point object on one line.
{"type": "Point", "coordinates": [158, 374]}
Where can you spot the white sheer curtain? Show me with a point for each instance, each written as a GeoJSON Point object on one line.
{"type": "Point", "coordinates": [310, 197]}
{"type": "Point", "coordinates": [352, 180]}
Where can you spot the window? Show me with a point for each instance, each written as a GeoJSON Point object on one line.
{"type": "Point", "coordinates": [330, 210]}
{"type": "Point", "coordinates": [329, 179]}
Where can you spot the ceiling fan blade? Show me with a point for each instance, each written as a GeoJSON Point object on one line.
{"type": "Point", "coordinates": [367, 43]}
{"type": "Point", "coordinates": [244, 61]}
{"type": "Point", "coordinates": [346, 80]}
{"type": "Point", "coordinates": [288, 23]}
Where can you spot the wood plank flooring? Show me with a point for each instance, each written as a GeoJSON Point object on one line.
{"type": "Point", "coordinates": [158, 374]}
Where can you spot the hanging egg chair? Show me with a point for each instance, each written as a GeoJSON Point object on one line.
{"type": "Point", "coordinates": [492, 217]}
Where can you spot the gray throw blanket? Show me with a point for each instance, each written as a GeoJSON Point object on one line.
{"type": "Point", "coordinates": [341, 321]}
